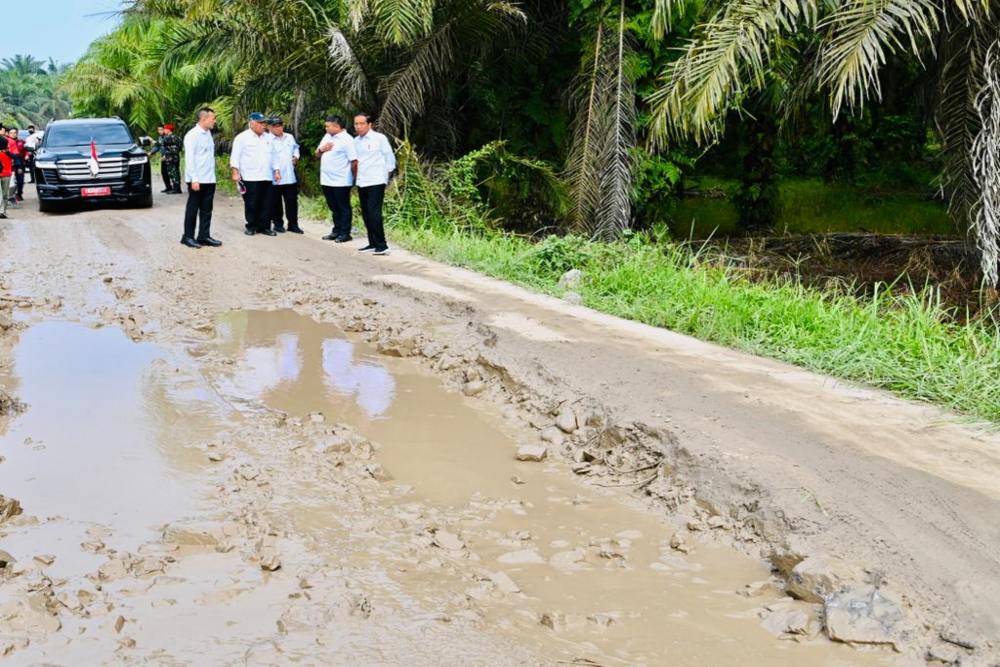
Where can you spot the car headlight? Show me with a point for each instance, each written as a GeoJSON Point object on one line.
{"type": "Point", "coordinates": [138, 160]}
{"type": "Point", "coordinates": [45, 165]}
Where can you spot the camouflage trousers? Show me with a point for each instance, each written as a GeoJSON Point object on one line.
{"type": "Point", "coordinates": [171, 172]}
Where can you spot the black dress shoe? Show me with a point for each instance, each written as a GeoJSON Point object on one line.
{"type": "Point", "coordinates": [175, 192]}
{"type": "Point", "coordinates": [330, 237]}
{"type": "Point", "coordinates": [249, 232]}
{"type": "Point", "coordinates": [296, 230]}
{"type": "Point", "coordinates": [209, 241]}
{"type": "Point", "coordinates": [280, 230]}
{"type": "Point", "coordinates": [343, 239]}
{"type": "Point", "coordinates": [268, 232]}
{"type": "Point", "coordinates": [190, 242]}
{"type": "Point", "coordinates": [165, 191]}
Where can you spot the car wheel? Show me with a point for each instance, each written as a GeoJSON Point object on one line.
{"type": "Point", "coordinates": [146, 201]}
{"type": "Point", "coordinates": [46, 206]}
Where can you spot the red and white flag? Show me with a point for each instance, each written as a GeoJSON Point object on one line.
{"type": "Point", "coordinates": [92, 163]}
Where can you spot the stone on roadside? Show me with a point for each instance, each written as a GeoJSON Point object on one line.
{"type": "Point", "coordinates": [715, 522]}
{"type": "Point", "coordinates": [814, 578]}
{"type": "Point", "coordinates": [6, 322]}
{"type": "Point", "coordinates": [522, 557]}
{"type": "Point", "coordinates": [862, 615]}
{"type": "Point", "coordinates": [571, 279]}
{"type": "Point", "coordinates": [566, 421]}
{"type": "Point", "coordinates": [9, 507]}
{"type": "Point", "coordinates": [216, 456]}
{"type": "Point", "coordinates": [474, 388]}
{"type": "Point", "coordinates": [788, 618]}
{"type": "Point", "coordinates": [677, 543]}
{"type": "Point", "coordinates": [504, 583]}
{"type": "Point", "coordinates": [553, 436]}
{"type": "Point", "coordinates": [46, 559]}
{"type": "Point", "coordinates": [534, 453]}
{"type": "Point", "coordinates": [200, 533]}
{"type": "Point", "coordinates": [448, 541]}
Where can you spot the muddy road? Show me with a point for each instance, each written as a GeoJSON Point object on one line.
{"type": "Point", "coordinates": [281, 452]}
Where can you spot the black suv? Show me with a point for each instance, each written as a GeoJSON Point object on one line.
{"type": "Point", "coordinates": [65, 171]}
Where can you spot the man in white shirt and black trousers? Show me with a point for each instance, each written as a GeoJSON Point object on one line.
{"type": "Point", "coordinates": [376, 162]}
{"type": "Point", "coordinates": [252, 165]}
{"type": "Point", "coordinates": [285, 191]}
{"type": "Point", "coordinates": [199, 174]}
{"type": "Point", "coordinates": [337, 168]}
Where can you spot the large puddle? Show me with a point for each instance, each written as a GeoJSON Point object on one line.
{"type": "Point", "coordinates": [100, 443]}
{"type": "Point", "coordinates": [598, 569]}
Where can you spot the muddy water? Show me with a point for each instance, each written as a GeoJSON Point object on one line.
{"type": "Point", "coordinates": [600, 571]}
{"type": "Point", "coordinates": [98, 444]}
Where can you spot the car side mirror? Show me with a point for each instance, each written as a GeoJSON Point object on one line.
{"type": "Point", "coordinates": [145, 141]}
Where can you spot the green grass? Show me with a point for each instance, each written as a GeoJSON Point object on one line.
{"type": "Point", "coordinates": [810, 206]}
{"type": "Point", "coordinates": [906, 344]}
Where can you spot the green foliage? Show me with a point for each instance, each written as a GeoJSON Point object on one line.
{"type": "Point", "coordinates": [30, 92]}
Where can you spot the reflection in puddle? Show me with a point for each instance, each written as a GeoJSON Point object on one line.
{"type": "Point", "coordinates": [97, 443]}
{"type": "Point", "coordinates": [573, 550]}
{"type": "Point", "coordinates": [313, 366]}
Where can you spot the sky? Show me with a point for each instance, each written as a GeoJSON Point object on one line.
{"type": "Point", "coordinates": [61, 29]}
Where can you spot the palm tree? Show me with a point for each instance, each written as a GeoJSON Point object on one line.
{"type": "Point", "coordinates": [24, 65]}
{"type": "Point", "coordinates": [847, 44]}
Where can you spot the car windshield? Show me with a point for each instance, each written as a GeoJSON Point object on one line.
{"type": "Point", "coordinates": [81, 135]}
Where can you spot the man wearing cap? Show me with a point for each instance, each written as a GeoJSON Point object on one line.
{"type": "Point", "coordinates": [199, 172]}
{"type": "Point", "coordinates": [171, 147]}
{"type": "Point", "coordinates": [337, 168]}
{"type": "Point", "coordinates": [375, 163]}
{"type": "Point", "coordinates": [158, 148]}
{"type": "Point", "coordinates": [285, 189]}
{"type": "Point", "coordinates": [251, 164]}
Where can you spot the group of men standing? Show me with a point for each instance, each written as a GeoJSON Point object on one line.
{"type": "Point", "coordinates": [262, 164]}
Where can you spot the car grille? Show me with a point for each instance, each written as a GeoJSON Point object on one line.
{"type": "Point", "coordinates": [77, 170]}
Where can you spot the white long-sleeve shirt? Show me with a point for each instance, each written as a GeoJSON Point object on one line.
{"type": "Point", "coordinates": [335, 164]}
{"type": "Point", "coordinates": [252, 156]}
{"type": "Point", "coordinates": [284, 152]}
{"type": "Point", "coordinates": [199, 156]}
{"type": "Point", "coordinates": [375, 159]}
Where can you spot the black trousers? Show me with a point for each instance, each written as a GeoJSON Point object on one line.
{"type": "Point", "coordinates": [257, 205]}
{"type": "Point", "coordinates": [19, 178]}
{"type": "Point", "coordinates": [165, 174]}
{"type": "Point", "coordinates": [199, 205]}
{"type": "Point", "coordinates": [372, 198]}
{"type": "Point", "coordinates": [285, 202]}
{"type": "Point", "coordinates": [338, 200]}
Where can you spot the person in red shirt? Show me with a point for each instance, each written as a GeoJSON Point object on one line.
{"type": "Point", "coordinates": [16, 148]}
{"type": "Point", "coordinates": [6, 169]}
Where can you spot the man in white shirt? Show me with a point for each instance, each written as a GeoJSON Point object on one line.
{"type": "Point", "coordinates": [337, 168]}
{"type": "Point", "coordinates": [199, 173]}
{"type": "Point", "coordinates": [252, 171]}
{"type": "Point", "coordinates": [375, 164]}
{"type": "Point", "coordinates": [285, 190]}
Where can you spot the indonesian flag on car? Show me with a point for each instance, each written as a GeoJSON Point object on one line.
{"type": "Point", "coordinates": [92, 163]}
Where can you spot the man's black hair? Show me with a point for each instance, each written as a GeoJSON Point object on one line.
{"type": "Point", "coordinates": [204, 111]}
{"type": "Point", "coordinates": [366, 116]}
{"type": "Point", "coordinates": [3, 143]}
{"type": "Point", "coordinates": [336, 119]}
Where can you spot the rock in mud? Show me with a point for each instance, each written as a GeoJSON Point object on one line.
{"type": "Point", "coordinates": [522, 557]}
{"type": "Point", "coordinates": [9, 507]}
{"type": "Point", "coordinates": [677, 543]}
{"type": "Point", "coordinates": [448, 541]}
{"type": "Point", "coordinates": [6, 559]}
{"type": "Point", "coordinates": [200, 533]}
{"type": "Point", "coordinates": [267, 553]}
{"type": "Point", "coordinates": [474, 388]}
{"type": "Point", "coordinates": [815, 578]}
{"type": "Point", "coordinates": [504, 583]}
{"type": "Point", "coordinates": [534, 453]}
{"type": "Point", "coordinates": [862, 615]}
{"type": "Point", "coordinates": [30, 615]}
{"type": "Point", "coordinates": [566, 421]}
{"type": "Point", "coordinates": [406, 344]}
{"type": "Point", "coordinates": [553, 436]}
{"type": "Point", "coordinates": [9, 405]}
{"type": "Point", "coordinates": [6, 322]}
{"type": "Point", "coordinates": [788, 618]}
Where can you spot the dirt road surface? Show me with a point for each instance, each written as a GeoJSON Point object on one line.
{"type": "Point", "coordinates": [284, 452]}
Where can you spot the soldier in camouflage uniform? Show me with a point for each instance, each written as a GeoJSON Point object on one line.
{"type": "Point", "coordinates": [171, 147]}
{"type": "Point", "coordinates": [158, 148]}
